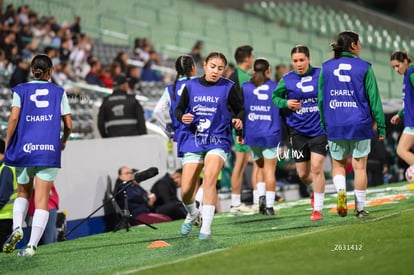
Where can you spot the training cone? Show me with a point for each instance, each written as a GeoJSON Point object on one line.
{"type": "Point", "coordinates": [156, 244]}
{"type": "Point", "coordinates": [410, 186]}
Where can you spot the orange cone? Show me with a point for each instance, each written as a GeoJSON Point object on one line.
{"type": "Point", "coordinates": [156, 244]}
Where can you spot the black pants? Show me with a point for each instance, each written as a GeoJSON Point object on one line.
{"type": "Point", "coordinates": [175, 211]}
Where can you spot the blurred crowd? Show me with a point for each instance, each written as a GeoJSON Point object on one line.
{"type": "Point", "coordinates": [23, 33]}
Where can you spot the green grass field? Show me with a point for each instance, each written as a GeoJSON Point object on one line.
{"type": "Point", "coordinates": [287, 243]}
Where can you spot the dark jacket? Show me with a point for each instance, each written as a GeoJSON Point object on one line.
{"type": "Point", "coordinates": [121, 115]}
{"type": "Point", "coordinates": [165, 191]}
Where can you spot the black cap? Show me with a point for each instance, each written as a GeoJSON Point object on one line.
{"type": "Point", "coordinates": [119, 80]}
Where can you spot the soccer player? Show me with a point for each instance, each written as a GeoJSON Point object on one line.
{"type": "Point", "coordinates": [244, 58]}
{"type": "Point", "coordinates": [262, 129]}
{"type": "Point", "coordinates": [349, 103]}
{"type": "Point", "coordinates": [33, 146]}
{"type": "Point", "coordinates": [297, 92]}
{"type": "Point", "coordinates": [186, 69]}
{"type": "Point", "coordinates": [401, 63]}
{"type": "Point", "coordinates": [204, 109]}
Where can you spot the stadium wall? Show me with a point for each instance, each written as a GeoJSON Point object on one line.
{"type": "Point", "coordinates": [86, 166]}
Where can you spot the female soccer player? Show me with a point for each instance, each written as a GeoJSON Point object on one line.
{"type": "Point", "coordinates": [349, 103]}
{"type": "Point", "coordinates": [401, 63]}
{"type": "Point", "coordinates": [204, 108]}
{"type": "Point", "coordinates": [33, 146]}
{"type": "Point", "coordinates": [297, 92]}
{"type": "Point", "coordinates": [186, 69]}
{"type": "Point", "coordinates": [262, 129]}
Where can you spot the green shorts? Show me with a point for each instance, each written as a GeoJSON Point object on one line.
{"type": "Point", "coordinates": [340, 149]}
{"type": "Point", "coordinates": [238, 147]}
{"type": "Point", "coordinates": [200, 156]}
{"type": "Point", "coordinates": [24, 174]}
{"type": "Point", "coordinates": [259, 152]}
{"type": "Point", "coordinates": [408, 130]}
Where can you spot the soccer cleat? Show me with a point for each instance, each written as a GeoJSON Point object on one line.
{"type": "Point", "coordinates": [316, 216]}
{"type": "Point", "coordinates": [341, 206]}
{"type": "Point", "coordinates": [255, 208]}
{"type": "Point", "coordinates": [27, 251]}
{"type": "Point", "coordinates": [312, 198]}
{"type": "Point", "coordinates": [188, 223]}
{"type": "Point", "coordinates": [199, 221]}
{"type": "Point", "coordinates": [204, 236]}
{"type": "Point", "coordinates": [15, 237]}
{"type": "Point", "coordinates": [242, 208]}
{"type": "Point", "coordinates": [269, 211]}
{"type": "Point", "coordinates": [361, 214]}
{"type": "Point", "coordinates": [262, 204]}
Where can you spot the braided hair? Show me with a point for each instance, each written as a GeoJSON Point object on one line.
{"type": "Point", "coordinates": [183, 65]}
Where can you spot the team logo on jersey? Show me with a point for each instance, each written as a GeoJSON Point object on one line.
{"type": "Point", "coordinates": [305, 88]}
{"type": "Point", "coordinates": [30, 147]}
{"type": "Point", "coordinates": [341, 77]}
{"type": "Point", "coordinates": [40, 103]}
{"type": "Point", "coordinates": [261, 96]}
{"type": "Point", "coordinates": [180, 91]}
{"type": "Point", "coordinates": [203, 125]}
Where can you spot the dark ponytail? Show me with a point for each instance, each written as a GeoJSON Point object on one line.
{"type": "Point", "coordinates": [344, 42]}
{"type": "Point", "coordinates": [41, 65]}
{"type": "Point", "coordinates": [260, 67]}
{"type": "Point", "coordinates": [183, 65]}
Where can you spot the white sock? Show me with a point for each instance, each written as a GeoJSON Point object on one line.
{"type": "Point", "coordinates": [318, 201]}
{"type": "Point", "coordinates": [360, 196]}
{"type": "Point", "coordinates": [191, 208]}
{"type": "Point", "coordinates": [261, 189]}
{"type": "Point", "coordinates": [199, 195]}
{"type": "Point", "coordinates": [20, 207]}
{"type": "Point", "coordinates": [40, 219]}
{"type": "Point", "coordinates": [270, 199]}
{"type": "Point", "coordinates": [235, 199]}
{"type": "Point", "coordinates": [255, 196]}
{"type": "Point", "coordinates": [208, 215]}
{"type": "Point", "coordinates": [340, 182]}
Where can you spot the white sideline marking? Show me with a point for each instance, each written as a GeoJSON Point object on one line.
{"type": "Point", "coordinates": [280, 238]}
{"type": "Point", "coordinates": [172, 262]}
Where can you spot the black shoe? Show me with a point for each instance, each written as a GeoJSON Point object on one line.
{"type": "Point", "coordinates": [269, 211]}
{"type": "Point", "coordinates": [262, 204]}
{"type": "Point", "coordinates": [361, 214]}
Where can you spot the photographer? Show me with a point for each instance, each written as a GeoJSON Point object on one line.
{"type": "Point", "coordinates": [139, 200]}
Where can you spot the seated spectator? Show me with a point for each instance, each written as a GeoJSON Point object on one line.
{"type": "Point", "coordinates": [138, 199]}
{"type": "Point", "coordinates": [20, 73]}
{"type": "Point", "coordinates": [115, 69]}
{"type": "Point", "coordinates": [133, 78]}
{"type": "Point", "coordinates": [92, 77]}
{"type": "Point", "coordinates": [106, 77]}
{"type": "Point", "coordinates": [122, 59]}
{"type": "Point", "coordinates": [167, 203]}
{"type": "Point", "coordinates": [120, 113]}
{"type": "Point", "coordinates": [62, 74]}
{"type": "Point", "coordinates": [5, 65]}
